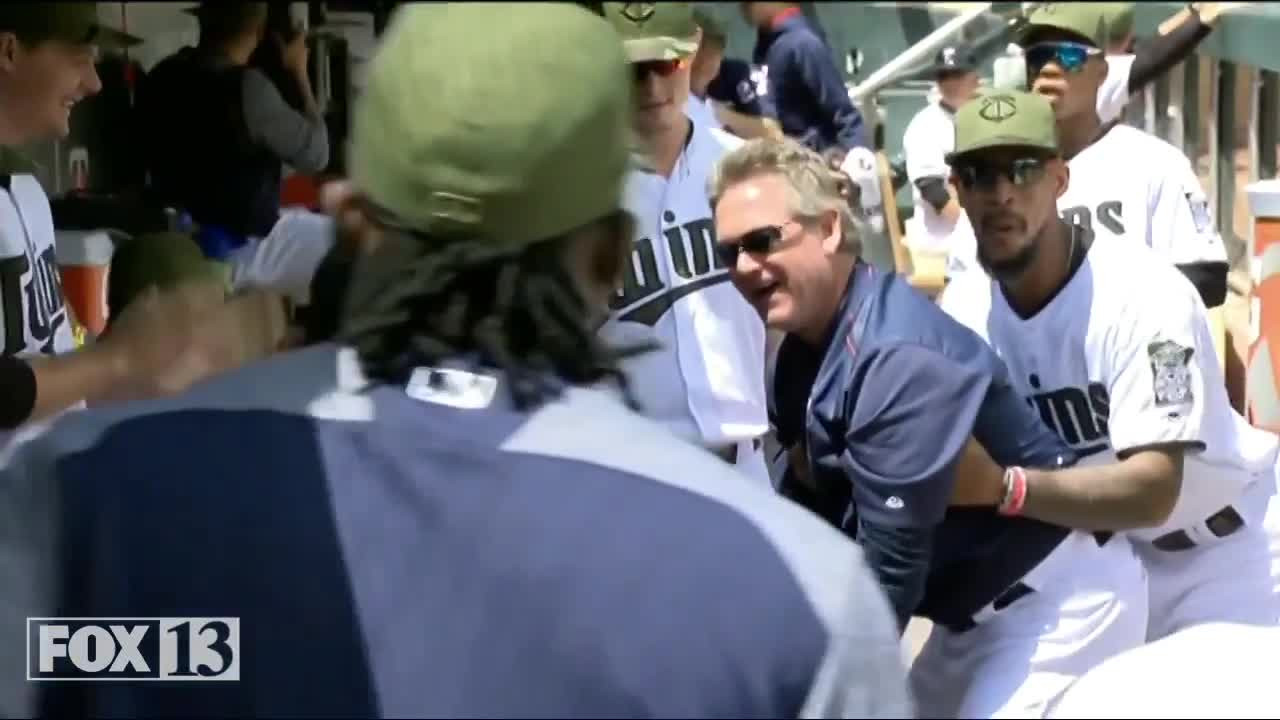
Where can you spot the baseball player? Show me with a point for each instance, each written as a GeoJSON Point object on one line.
{"type": "Point", "coordinates": [1114, 350]}
{"type": "Point", "coordinates": [879, 392]}
{"type": "Point", "coordinates": [1213, 670]}
{"type": "Point", "coordinates": [46, 69]}
{"type": "Point", "coordinates": [445, 519]}
{"type": "Point", "coordinates": [1126, 183]}
{"type": "Point", "coordinates": [706, 379]}
{"type": "Point", "coordinates": [937, 223]}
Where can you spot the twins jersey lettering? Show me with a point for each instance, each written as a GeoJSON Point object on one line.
{"type": "Point", "coordinates": [35, 320]}
{"type": "Point", "coordinates": [1121, 360]}
{"type": "Point", "coordinates": [1131, 183]}
{"type": "Point", "coordinates": [707, 381]}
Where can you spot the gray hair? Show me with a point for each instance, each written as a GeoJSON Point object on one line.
{"type": "Point", "coordinates": [814, 187]}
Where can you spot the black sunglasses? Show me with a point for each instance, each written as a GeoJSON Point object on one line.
{"type": "Point", "coordinates": [983, 176]}
{"type": "Point", "coordinates": [760, 240]}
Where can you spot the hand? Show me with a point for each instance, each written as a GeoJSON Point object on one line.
{"type": "Point", "coordinates": [150, 343]}
{"type": "Point", "coordinates": [1211, 11]}
{"type": "Point", "coordinates": [294, 53]}
{"type": "Point", "coordinates": [979, 480]}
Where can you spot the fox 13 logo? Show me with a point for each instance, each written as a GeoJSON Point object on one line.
{"type": "Point", "coordinates": [171, 649]}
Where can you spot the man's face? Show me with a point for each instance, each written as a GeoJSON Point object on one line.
{"type": "Point", "coordinates": [783, 263]}
{"type": "Point", "coordinates": [661, 90]}
{"type": "Point", "coordinates": [706, 65]}
{"type": "Point", "coordinates": [40, 84]}
{"type": "Point", "coordinates": [1067, 70]}
{"type": "Point", "coordinates": [958, 87]}
{"type": "Point", "coordinates": [1009, 195]}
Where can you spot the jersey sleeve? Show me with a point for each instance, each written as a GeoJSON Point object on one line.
{"type": "Point", "coordinates": [1181, 227]}
{"type": "Point", "coordinates": [1113, 93]}
{"type": "Point", "coordinates": [924, 150]}
{"type": "Point", "coordinates": [1156, 377]}
{"type": "Point", "coordinates": [906, 423]}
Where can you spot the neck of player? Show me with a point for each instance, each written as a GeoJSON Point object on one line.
{"type": "Point", "coordinates": [1077, 133]}
{"type": "Point", "coordinates": [668, 145]}
{"type": "Point", "coordinates": [1048, 272]}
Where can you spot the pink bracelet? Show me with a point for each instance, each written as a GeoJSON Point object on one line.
{"type": "Point", "coordinates": [1015, 492]}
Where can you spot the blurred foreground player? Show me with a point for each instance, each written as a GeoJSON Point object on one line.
{"type": "Point", "coordinates": [444, 520]}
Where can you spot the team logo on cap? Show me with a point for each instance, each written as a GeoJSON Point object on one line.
{"type": "Point", "coordinates": [997, 108]}
{"type": "Point", "coordinates": [638, 12]}
{"type": "Point", "coordinates": [949, 56]}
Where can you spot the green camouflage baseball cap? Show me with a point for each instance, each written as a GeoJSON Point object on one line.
{"type": "Point", "coordinates": [1119, 19]}
{"type": "Point", "coordinates": [161, 259]}
{"type": "Point", "coordinates": [73, 22]}
{"type": "Point", "coordinates": [654, 30]}
{"type": "Point", "coordinates": [1003, 119]}
{"type": "Point", "coordinates": [502, 122]}
{"type": "Point", "coordinates": [1086, 19]}
{"type": "Point", "coordinates": [711, 28]}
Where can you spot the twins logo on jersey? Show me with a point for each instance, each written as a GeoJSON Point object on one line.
{"type": "Point", "coordinates": [644, 298]}
{"type": "Point", "coordinates": [1171, 372]}
{"type": "Point", "coordinates": [1110, 214]}
{"type": "Point", "coordinates": [42, 293]}
{"type": "Point", "coordinates": [1078, 415]}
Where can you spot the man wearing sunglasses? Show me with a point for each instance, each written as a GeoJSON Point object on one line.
{"type": "Point", "coordinates": [1128, 185]}
{"type": "Point", "coordinates": [1113, 348]}
{"type": "Point", "coordinates": [878, 393]}
{"type": "Point", "coordinates": [705, 380]}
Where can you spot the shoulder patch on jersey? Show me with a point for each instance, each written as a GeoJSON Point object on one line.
{"type": "Point", "coordinates": [1199, 211]}
{"type": "Point", "coordinates": [1171, 372]}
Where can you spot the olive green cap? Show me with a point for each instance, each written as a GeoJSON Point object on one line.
{"type": "Point", "coordinates": [1008, 118]}
{"type": "Point", "coordinates": [711, 28]}
{"type": "Point", "coordinates": [72, 22]}
{"type": "Point", "coordinates": [654, 30]}
{"type": "Point", "coordinates": [1086, 19]}
{"type": "Point", "coordinates": [161, 259]}
{"type": "Point", "coordinates": [1119, 19]}
{"type": "Point", "coordinates": [499, 122]}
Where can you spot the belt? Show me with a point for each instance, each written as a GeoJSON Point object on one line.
{"type": "Point", "coordinates": [729, 453]}
{"type": "Point", "coordinates": [1222, 523]}
{"type": "Point", "coordinates": [1015, 593]}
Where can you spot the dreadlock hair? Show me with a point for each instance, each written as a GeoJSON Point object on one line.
{"type": "Point", "coordinates": [419, 300]}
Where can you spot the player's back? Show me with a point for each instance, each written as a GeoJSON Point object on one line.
{"type": "Point", "coordinates": [433, 552]}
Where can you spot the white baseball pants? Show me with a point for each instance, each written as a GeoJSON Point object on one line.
{"type": "Point", "coordinates": [1230, 579]}
{"type": "Point", "coordinates": [1090, 603]}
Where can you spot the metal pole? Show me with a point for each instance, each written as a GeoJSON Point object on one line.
{"type": "Point", "coordinates": [917, 53]}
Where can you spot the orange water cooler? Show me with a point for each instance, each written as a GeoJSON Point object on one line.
{"type": "Point", "coordinates": [1262, 388]}
{"type": "Point", "coordinates": [84, 259]}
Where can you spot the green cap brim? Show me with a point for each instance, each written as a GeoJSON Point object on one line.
{"type": "Point", "coordinates": [659, 48]}
{"type": "Point", "coordinates": [998, 142]}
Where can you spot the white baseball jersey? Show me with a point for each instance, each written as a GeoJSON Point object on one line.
{"type": "Point", "coordinates": [35, 318]}
{"type": "Point", "coordinates": [1214, 670]}
{"type": "Point", "coordinates": [1134, 185]}
{"type": "Point", "coordinates": [285, 261]}
{"type": "Point", "coordinates": [930, 135]}
{"type": "Point", "coordinates": [1122, 358]}
{"type": "Point", "coordinates": [701, 112]}
{"type": "Point", "coordinates": [707, 381]}
{"type": "Point", "coordinates": [1113, 93]}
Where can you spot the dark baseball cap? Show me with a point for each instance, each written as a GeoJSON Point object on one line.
{"type": "Point", "coordinates": [72, 22]}
{"type": "Point", "coordinates": [954, 59]}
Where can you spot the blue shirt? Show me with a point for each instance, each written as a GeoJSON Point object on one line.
{"type": "Point", "coordinates": [429, 551]}
{"type": "Point", "coordinates": [734, 87]}
{"type": "Point", "coordinates": [885, 409]}
{"type": "Point", "coordinates": [806, 93]}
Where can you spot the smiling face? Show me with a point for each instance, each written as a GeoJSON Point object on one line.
{"type": "Point", "coordinates": [40, 83]}
{"type": "Point", "coordinates": [783, 264]}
